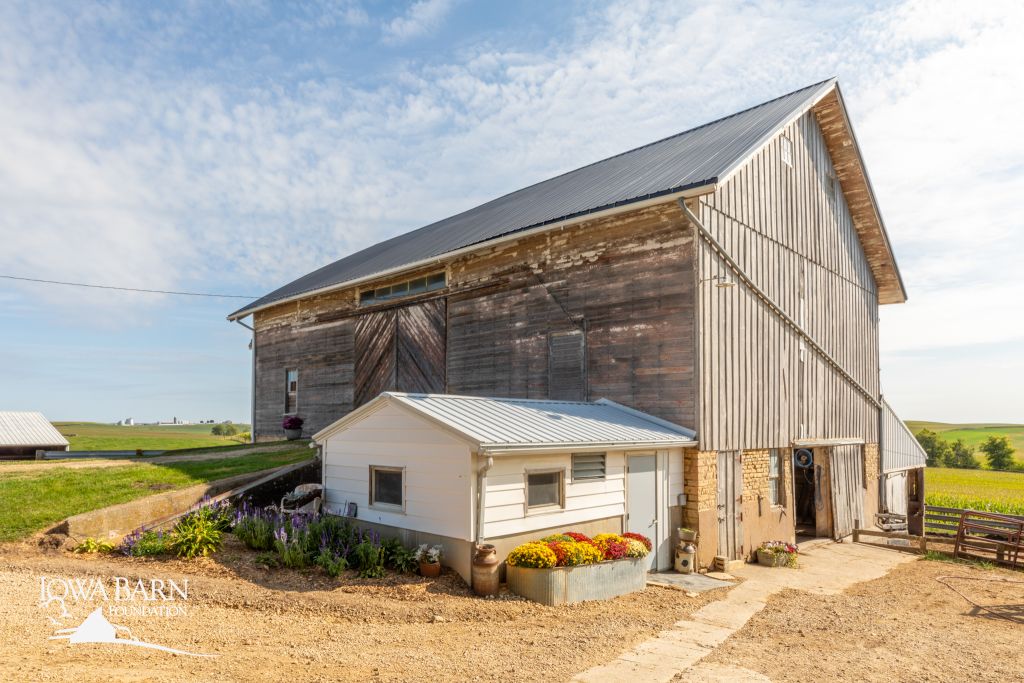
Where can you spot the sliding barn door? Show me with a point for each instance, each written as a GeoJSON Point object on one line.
{"type": "Point", "coordinates": [400, 350]}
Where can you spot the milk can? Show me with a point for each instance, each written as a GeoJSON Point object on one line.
{"type": "Point", "coordinates": [485, 570]}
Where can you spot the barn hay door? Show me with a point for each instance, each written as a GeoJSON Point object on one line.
{"type": "Point", "coordinates": [730, 504]}
{"type": "Point", "coordinates": [400, 349]}
{"type": "Point", "coordinates": [846, 480]}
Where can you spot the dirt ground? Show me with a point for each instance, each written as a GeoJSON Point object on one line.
{"type": "Point", "coordinates": [906, 626]}
{"type": "Point", "coordinates": [282, 625]}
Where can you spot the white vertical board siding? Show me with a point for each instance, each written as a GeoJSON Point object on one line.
{"type": "Point", "coordinates": [439, 479]}
{"type": "Point", "coordinates": [505, 513]}
{"type": "Point", "coordinates": [788, 232]}
{"type": "Point", "coordinates": [895, 493]}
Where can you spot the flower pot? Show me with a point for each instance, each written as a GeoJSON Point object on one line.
{"type": "Point", "coordinates": [430, 570]}
{"type": "Point", "coordinates": [686, 535]}
{"type": "Point", "coordinates": [292, 434]}
{"type": "Point", "coordinates": [768, 559]}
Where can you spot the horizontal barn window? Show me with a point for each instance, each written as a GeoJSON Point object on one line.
{"type": "Point", "coordinates": [587, 466]}
{"type": "Point", "coordinates": [387, 487]}
{"type": "Point", "coordinates": [419, 285]}
{"type": "Point", "coordinates": [544, 489]}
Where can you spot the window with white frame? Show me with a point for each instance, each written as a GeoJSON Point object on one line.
{"type": "Point", "coordinates": [775, 488]}
{"type": "Point", "coordinates": [588, 466]}
{"type": "Point", "coordinates": [787, 150]}
{"type": "Point", "coordinates": [387, 487]}
{"type": "Point", "coordinates": [544, 490]}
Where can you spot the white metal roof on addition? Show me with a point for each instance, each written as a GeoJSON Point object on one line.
{"type": "Point", "coordinates": [510, 425]}
{"type": "Point", "coordinates": [28, 429]}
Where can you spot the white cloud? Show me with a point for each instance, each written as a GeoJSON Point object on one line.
{"type": "Point", "coordinates": [422, 17]}
{"type": "Point", "coordinates": [136, 173]}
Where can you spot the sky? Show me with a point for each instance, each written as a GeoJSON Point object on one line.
{"type": "Point", "coordinates": [231, 147]}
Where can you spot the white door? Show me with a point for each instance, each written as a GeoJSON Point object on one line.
{"type": "Point", "coordinates": [642, 499]}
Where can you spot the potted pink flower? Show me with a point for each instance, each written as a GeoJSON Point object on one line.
{"type": "Point", "coordinates": [776, 554]}
{"type": "Point", "coordinates": [292, 427]}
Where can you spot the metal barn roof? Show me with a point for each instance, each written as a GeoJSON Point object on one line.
{"type": "Point", "coordinates": [28, 429]}
{"type": "Point", "coordinates": [510, 425]}
{"type": "Point", "coordinates": [900, 449]}
{"type": "Point", "coordinates": [695, 158]}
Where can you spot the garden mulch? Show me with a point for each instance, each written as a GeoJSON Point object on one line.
{"type": "Point", "coordinates": [284, 625]}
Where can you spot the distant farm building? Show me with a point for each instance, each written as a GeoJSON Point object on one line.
{"type": "Point", "coordinates": [24, 433]}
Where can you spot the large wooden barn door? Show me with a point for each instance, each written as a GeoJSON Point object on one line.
{"type": "Point", "coordinates": [730, 504]}
{"type": "Point", "coordinates": [846, 479]}
{"type": "Point", "coordinates": [400, 350]}
{"type": "Point", "coordinates": [420, 348]}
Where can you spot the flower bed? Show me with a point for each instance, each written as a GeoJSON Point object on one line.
{"type": "Point", "coordinates": [571, 567]}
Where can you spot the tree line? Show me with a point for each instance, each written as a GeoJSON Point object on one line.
{"type": "Point", "coordinates": [941, 453]}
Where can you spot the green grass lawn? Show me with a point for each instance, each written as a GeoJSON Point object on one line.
{"type": "Point", "coordinates": [975, 434]}
{"type": "Point", "coordinates": [36, 499]}
{"type": "Point", "coordinates": [975, 489]}
{"type": "Point", "coordinates": [96, 436]}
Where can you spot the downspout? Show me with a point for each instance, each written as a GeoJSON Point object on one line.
{"type": "Point", "coordinates": [481, 483]}
{"type": "Point", "coordinates": [252, 384]}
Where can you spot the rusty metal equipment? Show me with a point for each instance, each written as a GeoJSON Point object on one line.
{"type": "Point", "coordinates": [992, 537]}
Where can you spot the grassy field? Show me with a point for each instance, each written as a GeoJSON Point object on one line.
{"type": "Point", "coordinates": [96, 436]}
{"type": "Point", "coordinates": [974, 434]}
{"type": "Point", "coordinates": [36, 499]}
{"type": "Point", "coordinates": [975, 489]}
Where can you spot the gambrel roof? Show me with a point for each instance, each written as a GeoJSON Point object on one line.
{"type": "Point", "coordinates": [690, 163]}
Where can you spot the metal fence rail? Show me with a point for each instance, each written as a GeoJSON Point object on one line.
{"type": "Point", "coordinates": [946, 521]}
{"type": "Point", "coordinates": [988, 536]}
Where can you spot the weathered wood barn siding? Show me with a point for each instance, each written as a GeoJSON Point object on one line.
{"type": "Point", "coordinates": [600, 309]}
{"type": "Point", "coordinates": [624, 283]}
{"type": "Point", "coordinates": [790, 231]}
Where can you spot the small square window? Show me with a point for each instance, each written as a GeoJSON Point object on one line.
{"type": "Point", "coordinates": [387, 487]}
{"type": "Point", "coordinates": [544, 489]}
{"type": "Point", "coordinates": [775, 488]}
{"type": "Point", "coordinates": [787, 150]}
{"type": "Point", "coordinates": [588, 466]}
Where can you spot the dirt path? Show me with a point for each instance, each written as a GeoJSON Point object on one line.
{"type": "Point", "coordinates": [904, 627]}
{"type": "Point", "coordinates": [276, 625]}
{"type": "Point", "coordinates": [36, 465]}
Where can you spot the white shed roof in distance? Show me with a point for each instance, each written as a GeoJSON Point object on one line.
{"type": "Point", "coordinates": [498, 425]}
{"type": "Point", "coordinates": [28, 429]}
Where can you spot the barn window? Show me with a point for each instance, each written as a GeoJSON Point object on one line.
{"type": "Point", "coordinates": [787, 150]}
{"type": "Point", "coordinates": [419, 285]}
{"type": "Point", "coordinates": [291, 391]}
{"type": "Point", "coordinates": [544, 490]}
{"type": "Point", "coordinates": [387, 487]}
{"type": "Point", "coordinates": [587, 466]}
{"type": "Point", "coordinates": [775, 489]}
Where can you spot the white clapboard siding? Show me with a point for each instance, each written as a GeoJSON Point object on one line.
{"type": "Point", "coordinates": [439, 479]}
{"type": "Point", "coordinates": [790, 234]}
{"type": "Point", "coordinates": [505, 513]}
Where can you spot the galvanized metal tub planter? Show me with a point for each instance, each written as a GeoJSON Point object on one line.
{"type": "Point", "coordinates": [566, 585]}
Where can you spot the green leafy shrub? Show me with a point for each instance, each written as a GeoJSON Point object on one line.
{"type": "Point", "coordinates": [146, 543]}
{"type": "Point", "coordinates": [93, 545]}
{"type": "Point", "coordinates": [331, 563]}
{"type": "Point", "coordinates": [370, 557]}
{"type": "Point", "coordinates": [196, 534]}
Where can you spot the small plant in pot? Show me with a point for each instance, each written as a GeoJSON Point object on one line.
{"type": "Point", "coordinates": [292, 427]}
{"type": "Point", "coordinates": [429, 558]}
{"type": "Point", "coordinates": [687, 535]}
{"type": "Point", "coordinates": [777, 554]}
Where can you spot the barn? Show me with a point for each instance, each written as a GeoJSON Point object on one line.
{"type": "Point", "coordinates": [725, 280]}
{"type": "Point", "coordinates": [24, 433]}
